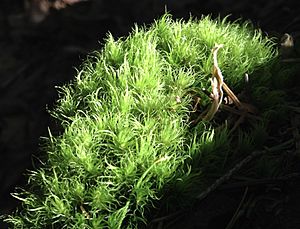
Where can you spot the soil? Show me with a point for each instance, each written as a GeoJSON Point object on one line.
{"type": "Point", "coordinates": [41, 49]}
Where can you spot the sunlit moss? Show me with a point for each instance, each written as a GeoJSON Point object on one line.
{"type": "Point", "coordinates": [126, 121]}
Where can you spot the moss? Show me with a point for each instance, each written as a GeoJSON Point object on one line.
{"type": "Point", "coordinates": [127, 137]}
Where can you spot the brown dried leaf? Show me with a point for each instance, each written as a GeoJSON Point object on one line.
{"type": "Point", "coordinates": [216, 84]}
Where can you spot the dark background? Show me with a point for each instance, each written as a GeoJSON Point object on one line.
{"type": "Point", "coordinates": [37, 55]}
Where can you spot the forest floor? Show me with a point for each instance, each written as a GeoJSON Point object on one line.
{"type": "Point", "coordinates": [40, 50]}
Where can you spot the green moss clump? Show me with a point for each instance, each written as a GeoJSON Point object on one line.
{"type": "Point", "coordinates": [127, 137]}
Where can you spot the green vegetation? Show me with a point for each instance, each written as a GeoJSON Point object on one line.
{"type": "Point", "coordinates": [128, 143]}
